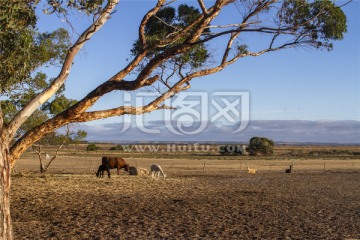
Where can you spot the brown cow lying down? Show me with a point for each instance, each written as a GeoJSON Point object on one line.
{"type": "Point", "coordinates": [114, 162]}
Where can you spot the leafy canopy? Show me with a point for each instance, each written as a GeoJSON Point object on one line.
{"type": "Point", "coordinates": [321, 20]}
{"type": "Point", "coordinates": [169, 21]}
{"type": "Point", "coordinates": [23, 51]}
{"type": "Point", "coordinates": [261, 145]}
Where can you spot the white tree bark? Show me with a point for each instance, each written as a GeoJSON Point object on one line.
{"type": "Point", "coordinates": [41, 98]}
{"type": "Point", "coordinates": [5, 219]}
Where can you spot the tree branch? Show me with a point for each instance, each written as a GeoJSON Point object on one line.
{"type": "Point", "coordinates": [228, 47]}
{"type": "Point", "coordinates": [60, 147]}
{"type": "Point", "coordinates": [203, 7]}
{"type": "Point", "coordinates": [157, 103]}
{"type": "Point", "coordinates": [95, 115]}
{"type": "Point", "coordinates": [194, 35]}
{"type": "Point", "coordinates": [71, 114]}
{"type": "Point", "coordinates": [165, 51]}
{"type": "Point", "coordinates": [144, 21]}
{"type": "Point", "coordinates": [41, 98]}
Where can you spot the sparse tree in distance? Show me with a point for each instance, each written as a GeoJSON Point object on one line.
{"type": "Point", "coordinates": [172, 49]}
{"type": "Point", "coordinates": [56, 139]}
{"type": "Point", "coordinates": [261, 145]}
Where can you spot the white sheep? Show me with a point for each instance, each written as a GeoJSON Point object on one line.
{"type": "Point", "coordinates": [250, 170]}
{"type": "Point", "coordinates": [156, 170]}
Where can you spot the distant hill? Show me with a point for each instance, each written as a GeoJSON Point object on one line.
{"type": "Point", "coordinates": [228, 142]}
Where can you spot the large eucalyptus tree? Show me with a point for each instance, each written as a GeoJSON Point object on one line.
{"type": "Point", "coordinates": [171, 50]}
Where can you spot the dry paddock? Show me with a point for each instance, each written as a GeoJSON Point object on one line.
{"type": "Point", "coordinates": [206, 199]}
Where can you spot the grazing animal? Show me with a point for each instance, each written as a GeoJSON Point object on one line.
{"type": "Point", "coordinates": [133, 171]}
{"type": "Point", "coordinates": [143, 171]}
{"type": "Point", "coordinates": [138, 171]}
{"type": "Point", "coordinates": [100, 172]}
{"type": "Point", "coordinates": [250, 170]}
{"type": "Point", "coordinates": [289, 170]}
{"type": "Point", "coordinates": [114, 162]}
{"type": "Point", "coordinates": [156, 171]}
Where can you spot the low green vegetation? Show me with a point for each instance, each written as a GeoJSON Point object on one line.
{"type": "Point", "coordinates": [261, 146]}
{"type": "Point", "coordinates": [92, 147]}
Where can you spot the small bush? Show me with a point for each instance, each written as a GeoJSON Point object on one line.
{"type": "Point", "coordinates": [92, 147]}
{"type": "Point", "coordinates": [117, 147]}
{"type": "Point", "coordinates": [261, 145]}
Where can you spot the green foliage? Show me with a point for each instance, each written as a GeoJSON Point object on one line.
{"type": "Point", "coordinates": [92, 147]}
{"type": "Point", "coordinates": [321, 20]}
{"type": "Point", "coordinates": [56, 138]}
{"type": "Point", "coordinates": [22, 48]}
{"type": "Point", "coordinates": [34, 120]}
{"type": "Point", "coordinates": [9, 109]}
{"type": "Point", "coordinates": [331, 24]}
{"type": "Point", "coordinates": [59, 104]}
{"type": "Point", "coordinates": [169, 21]}
{"type": "Point", "coordinates": [261, 145]}
{"type": "Point", "coordinates": [79, 136]}
{"type": "Point", "coordinates": [51, 47]}
{"type": "Point", "coordinates": [23, 52]}
{"type": "Point", "coordinates": [15, 58]}
{"type": "Point", "coordinates": [15, 15]}
{"type": "Point", "coordinates": [242, 49]}
{"type": "Point", "coordinates": [87, 6]}
{"type": "Point", "coordinates": [160, 26]}
{"type": "Point", "coordinates": [117, 148]}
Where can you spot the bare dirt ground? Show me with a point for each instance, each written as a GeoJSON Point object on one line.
{"type": "Point", "coordinates": [198, 200]}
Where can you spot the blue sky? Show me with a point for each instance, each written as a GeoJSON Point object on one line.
{"type": "Point", "coordinates": [299, 84]}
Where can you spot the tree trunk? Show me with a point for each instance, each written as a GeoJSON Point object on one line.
{"type": "Point", "coordinates": [5, 220]}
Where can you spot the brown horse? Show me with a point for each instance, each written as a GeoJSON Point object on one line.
{"type": "Point", "coordinates": [100, 172]}
{"type": "Point", "coordinates": [114, 162]}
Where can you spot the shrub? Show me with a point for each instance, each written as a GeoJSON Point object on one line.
{"type": "Point", "coordinates": [117, 147]}
{"type": "Point", "coordinates": [261, 145]}
{"type": "Point", "coordinates": [92, 147]}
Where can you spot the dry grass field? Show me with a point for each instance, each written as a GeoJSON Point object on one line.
{"type": "Point", "coordinates": [203, 197]}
